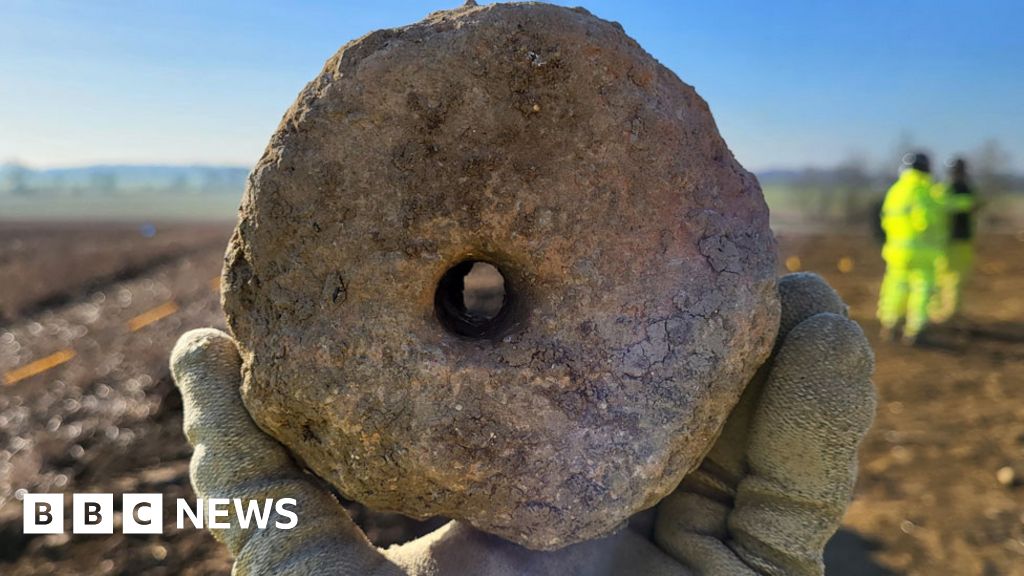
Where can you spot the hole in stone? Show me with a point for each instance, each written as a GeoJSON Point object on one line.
{"type": "Point", "coordinates": [473, 300]}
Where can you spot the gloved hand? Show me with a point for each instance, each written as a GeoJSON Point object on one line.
{"type": "Point", "coordinates": [765, 500]}
{"type": "Point", "coordinates": [774, 487]}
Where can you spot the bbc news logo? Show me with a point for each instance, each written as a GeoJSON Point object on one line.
{"type": "Point", "coordinates": [144, 513]}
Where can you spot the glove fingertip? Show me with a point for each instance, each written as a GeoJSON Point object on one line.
{"type": "Point", "coordinates": [803, 295]}
{"type": "Point", "coordinates": [838, 340]}
{"type": "Point", "coordinates": [816, 408]}
{"type": "Point", "coordinates": [203, 349]}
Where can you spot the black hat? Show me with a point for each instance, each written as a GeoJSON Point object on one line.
{"type": "Point", "coordinates": [917, 161]}
{"type": "Point", "coordinates": [957, 168]}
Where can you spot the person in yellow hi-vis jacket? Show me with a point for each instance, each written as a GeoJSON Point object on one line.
{"type": "Point", "coordinates": [914, 220]}
{"type": "Point", "coordinates": [954, 268]}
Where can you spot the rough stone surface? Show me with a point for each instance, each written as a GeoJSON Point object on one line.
{"type": "Point", "coordinates": [636, 251]}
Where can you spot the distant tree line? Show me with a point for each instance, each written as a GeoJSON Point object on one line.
{"type": "Point", "coordinates": [846, 194]}
{"type": "Point", "coordinates": [849, 194]}
{"type": "Point", "coordinates": [19, 180]}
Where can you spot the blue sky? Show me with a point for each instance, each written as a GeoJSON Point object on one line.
{"type": "Point", "coordinates": [791, 84]}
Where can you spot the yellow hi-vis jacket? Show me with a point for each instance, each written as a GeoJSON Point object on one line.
{"type": "Point", "coordinates": [954, 205]}
{"type": "Point", "coordinates": [914, 219]}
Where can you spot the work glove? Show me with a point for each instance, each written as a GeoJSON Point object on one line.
{"type": "Point", "coordinates": [775, 485]}
{"type": "Point", "coordinates": [766, 498]}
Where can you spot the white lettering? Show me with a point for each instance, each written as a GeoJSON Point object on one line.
{"type": "Point", "coordinates": [196, 518]}
{"type": "Point", "coordinates": [252, 509]}
{"type": "Point", "coordinates": [282, 510]}
{"type": "Point", "coordinates": [218, 509]}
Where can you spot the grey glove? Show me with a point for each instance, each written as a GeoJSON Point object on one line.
{"type": "Point", "coordinates": [765, 500]}
{"type": "Point", "coordinates": [774, 488]}
{"type": "Point", "coordinates": [233, 458]}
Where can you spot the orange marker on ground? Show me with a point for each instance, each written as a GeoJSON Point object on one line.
{"type": "Point", "coordinates": [38, 366]}
{"type": "Point", "coordinates": [152, 315]}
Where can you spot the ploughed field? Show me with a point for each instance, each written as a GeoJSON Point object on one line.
{"type": "Point", "coordinates": [88, 314]}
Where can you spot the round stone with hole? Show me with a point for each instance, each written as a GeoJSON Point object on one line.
{"type": "Point", "coordinates": [499, 266]}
